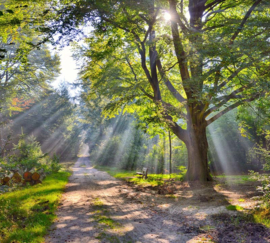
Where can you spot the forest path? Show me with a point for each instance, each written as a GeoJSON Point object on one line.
{"type": "Point", "coordinates": [98, 208]}
{"type": "Point", "coordinates": [93, 199]}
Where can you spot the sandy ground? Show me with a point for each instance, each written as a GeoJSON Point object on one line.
{"type": "Point", "coordinates": [194, 214]}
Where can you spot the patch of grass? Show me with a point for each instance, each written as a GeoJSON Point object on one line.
{"type": "Point", "coordinates": [97, 202]}
{"type": "Point", "coordinates": [107, 238]}
{"type": "Point", "coordinates": [219, 186]}
{"type": "Point", "coordinates": [26, 214]}
{"type": "Point", "coordinates": [207, 228]}
{"type": "Point", "coordinates": [236, 179]}
{"type": "Point", "coordinates": [105, 223]}
{"type": "Point", "coordinates": [152, 180]}
{"type": "Point", "coordinates": [234, 208]}
{"type": "Point", "coordinates": [241, 200]}
{"type": "Point", "coordinates": [67, 165]}
{"type": "Point", "coordinates": [101, 215]}
{"type": "Point", "coordinates": [262, 215]}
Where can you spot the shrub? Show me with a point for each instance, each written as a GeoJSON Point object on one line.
{"type": "Point", "coordinates": [27, 156]}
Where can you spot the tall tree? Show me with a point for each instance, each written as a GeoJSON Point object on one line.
{"type": "Point", "coordinates": [26, 77]}
{"type": "Point", "coordinates": [210, 57]}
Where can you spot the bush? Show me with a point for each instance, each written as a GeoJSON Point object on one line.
{"type": "Point", "coordinates": [263, 178]}
{"type": "Point", "coordinates": [27, 156]}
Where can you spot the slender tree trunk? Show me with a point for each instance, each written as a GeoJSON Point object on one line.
{"type": "Point", "coordinates": [170, 144]}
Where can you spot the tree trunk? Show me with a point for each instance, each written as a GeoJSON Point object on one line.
{"type": "Point", "coordinates": [197, 147]}
{"type": "Point", "coordinates": [170, 158]}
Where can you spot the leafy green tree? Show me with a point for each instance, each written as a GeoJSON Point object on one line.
{"type": "Point", "coordinates": [18, 17]}
{"type": "Point", "coordinates": [52, 119]}
{"type": "Point", "coordinates": [31, 77]}
{"type": "Point", "coordinates": [211, 57]}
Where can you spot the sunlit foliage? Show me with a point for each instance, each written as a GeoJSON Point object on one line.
{"type": "Point", "coordinates": [211, 57]}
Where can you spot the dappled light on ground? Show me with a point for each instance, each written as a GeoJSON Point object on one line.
{"type": "Point", "coordinates": [98, 208]}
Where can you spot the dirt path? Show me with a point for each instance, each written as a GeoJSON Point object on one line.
{"type": "Point", "coordinates": [99, 208]}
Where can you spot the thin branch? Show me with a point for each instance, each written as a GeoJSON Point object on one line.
{"type": "Point", "coordinates": [224, 99]}
{"type": "Point", "coordinates": [170, 67]}
{"type": "Point", "coordinates": [135, 77]}
{"type": "Point", "coordinates": [239, 29]}
{"type": "Point", "coordinates": [169, 106]}
{"type": "Point", "coordinates": [169, 85]}
{"type": "Point", "coordinates": [233, 75]}
{"type": "Point", "coordinates": [213, 4]}
{"type": "Point", "coordinates": [229, 108]}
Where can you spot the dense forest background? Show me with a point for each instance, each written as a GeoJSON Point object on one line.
{"type": "Point", "coordinates": [238, 141]}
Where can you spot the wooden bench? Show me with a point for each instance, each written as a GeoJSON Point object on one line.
{"type": "Point", "coordinates": [143, 173]}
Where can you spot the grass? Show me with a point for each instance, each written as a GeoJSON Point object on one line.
{"type": "Point", "coordinates": [101, 216]}
{"type": "Point", "coordinates": [236, 179]}
{"type": "Point", "coordinates": [26, 214]}
{"type": "Point", "coordinates": [105, 222]}
{"type": "Point", "coordinates": [152, 180]}
{"type": "Point", "coordinates": [235, 208]}
{"type": "Point", "coordinates": [262, 215]}
{"type": "Point", "coordinates": [207, 228]}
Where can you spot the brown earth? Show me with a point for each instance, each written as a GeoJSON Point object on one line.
{"type": "Point", "coordinates": [98, 208]}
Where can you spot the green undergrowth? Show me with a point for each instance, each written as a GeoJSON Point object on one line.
{"type": "Point", "coordinates": [262, 215]}
{"type": "Point", "coordinates": [152, 179]}
{"type": "Point", "coordinates": [236, 179]}
{"type": "Point", "coordinates": [235, 208]}
{"type": "Point", "coordinates": [26, 214]}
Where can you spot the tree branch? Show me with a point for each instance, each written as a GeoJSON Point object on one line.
{"type": "Point", "coordinates": [233, 75]}
{"type": "Point", "coordinates": [179, 49]}
{"type": "Point", "coordinates": [176, 17]}
{"type": "Point", "coordinates": [213, 4]}
{"type": "Point", "coordinates": [176, 129]}
{"type": "Point", "coordinates": [239, 29]}
{"type": "Point", "coordinates": [135, 77]}
{"type": "Point", "coordinates": [169, 85]}
{"type": "Point", "coordinates": [229, 108]}
{"type": "Point", "coordinates": [224, 99]}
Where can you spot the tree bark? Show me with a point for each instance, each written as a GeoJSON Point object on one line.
{"type": "Point", "coordinates": [170, 144]}
{"type": "Point", "coordinates": [197, 147]}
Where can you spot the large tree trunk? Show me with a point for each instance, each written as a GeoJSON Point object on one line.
{"type": "Point", "coordinates": [197, 147]}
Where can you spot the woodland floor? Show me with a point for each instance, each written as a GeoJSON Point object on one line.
{"type": "Point", "coordinates": [98, 208]}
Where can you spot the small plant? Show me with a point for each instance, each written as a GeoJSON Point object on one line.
{"type": "Point", "coordinates": [97, 202]}
{"type": "Point", "coordinates": [55, 164]}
